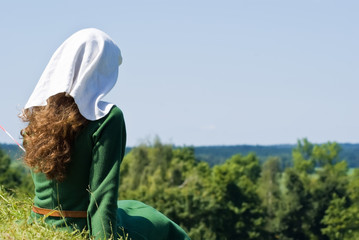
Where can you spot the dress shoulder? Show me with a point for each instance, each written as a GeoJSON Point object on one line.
{"type": "Point", "coordinates": [116, 112]}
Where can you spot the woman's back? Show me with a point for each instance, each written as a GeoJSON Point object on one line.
{"type": "Point", "coordinates": [92, 177]}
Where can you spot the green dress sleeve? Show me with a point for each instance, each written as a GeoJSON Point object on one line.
{"type": "Point", "coordinates": [109, 142]}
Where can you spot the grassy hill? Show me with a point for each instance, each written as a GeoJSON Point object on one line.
{"type": "Point", "coordinates": [14, 212]}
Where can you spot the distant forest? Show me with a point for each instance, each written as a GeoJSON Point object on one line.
{"type": "Point", "coordinates": [215, 155]}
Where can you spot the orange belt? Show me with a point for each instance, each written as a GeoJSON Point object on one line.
{"type": "Point", "coordinates": [58, 213]}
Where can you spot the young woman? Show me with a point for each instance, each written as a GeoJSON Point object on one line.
{"type": "Point", "coordinates": [75, 143]}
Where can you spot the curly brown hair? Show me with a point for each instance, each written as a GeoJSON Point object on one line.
{"type": "Point", "coordinates": [50, 134]}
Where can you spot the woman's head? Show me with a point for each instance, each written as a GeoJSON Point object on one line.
{"type": "Point", "coordinates": [86, 67]}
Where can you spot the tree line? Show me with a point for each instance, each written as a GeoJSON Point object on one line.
{"type": "Point", "coordinates": [317, 197]}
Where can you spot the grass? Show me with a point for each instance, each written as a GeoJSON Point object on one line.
{"type": "Point", "coordinates": [14, 212]}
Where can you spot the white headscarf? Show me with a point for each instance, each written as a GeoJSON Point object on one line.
{"type": "Point", "coordinates": [86, 67]}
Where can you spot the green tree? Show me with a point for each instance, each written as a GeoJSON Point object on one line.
{"type": "Point", "coordinates": [4, 163]}
{"type": "Point", "coordinates": [321, 175]}
{"type": "Point", "coordinates": [303, 160]}
{"type": "Point", "coordinates": [269, 192]}
{"type": "Point", "coordinates": [295, 205]}
{"type": "Point", "coordinates": [331, 178]}
{"type": "Point", "coordinates": [238, 204]}
{"type": "Point", "coordinates": [14, 176]}
{"type": "Point", "coordinates": [353, 186]}
{"type": "Point", "coordinates": [341, 220]}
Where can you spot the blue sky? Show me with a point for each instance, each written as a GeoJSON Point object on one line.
{"type": "Point", "coordinates": [203, 72]}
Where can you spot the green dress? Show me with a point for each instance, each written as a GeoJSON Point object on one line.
{"type": "Point", "coordinates": [92, 184]}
